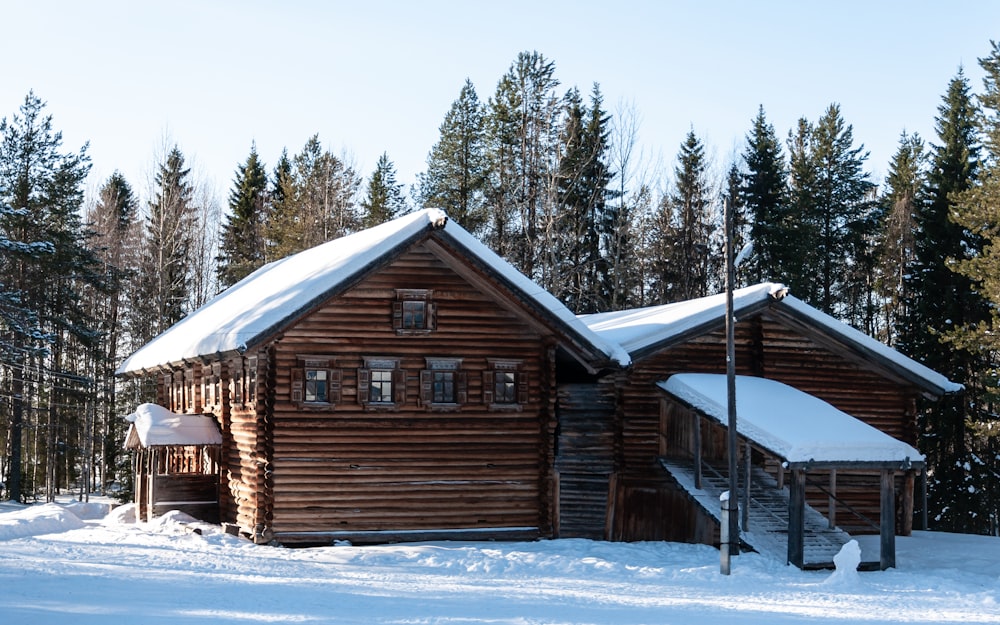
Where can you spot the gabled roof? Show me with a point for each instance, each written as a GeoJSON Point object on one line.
{"type": "Point", "coordinates": [270, 299]}
{"type": "Point", "coordinates": [798, 428]}
{"type": "Point", "coordinates": [645, 331]}
{"type": "Point", "coordinates": [155, 426]}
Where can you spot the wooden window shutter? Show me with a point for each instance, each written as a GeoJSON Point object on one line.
{"type": "Point", "coordinates": [461, 387]}
{"type": "Point", "coordinates": [426, 387]}
{"type": "Point", "coordinates": [397, 315]}
{"type": "Point", "coordinates": [334, 377]}
{"type": "Point", "coordinates": [364, 383]}
{"type": "Point", "coordinates": [297, 385]}
{"type": "Point", "coordinates": [399, 387]}
{"type": "Point", "coordinates": [488, 381]}
{"type": "Point", "coordinates": [432, 316]}
{"type": "Point", "coordinates": [522, 387]}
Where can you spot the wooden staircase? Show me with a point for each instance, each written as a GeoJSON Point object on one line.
{"type": "Point", "coordinates": [767, 524]}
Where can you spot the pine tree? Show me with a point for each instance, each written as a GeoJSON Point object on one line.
{"type": "Point", "coordinates": [799, 232]}
{"type": "Point", "coordinates": [455, 177]}
{"type": "Point", "coordinates": [843, 209]}
{"type": "Point", "coordinates": [385, 200]}
{"type": "Point", "coordinates": [278, 211]}
{"type": "Point", "coordinates": [943, 300]}
{"type": "Point", "coordinates": [241, 249]}
{"type": "Point", "coordinates": [47, 265]}
{"type": "Point", "coordinates": [521, 151]}
{"type": "Point", "coordinates": [115, 226]}
{"type": "Point", "coordinates": [763, 196]}
{"type": "Point", "coordinates": [896, 248]}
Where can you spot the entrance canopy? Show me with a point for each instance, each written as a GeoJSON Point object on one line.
{"type": "Point", "coordinates": [802, 430]}
{"type": "Point", "coordinates": [155, 426]}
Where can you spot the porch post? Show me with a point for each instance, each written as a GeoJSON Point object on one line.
{"type": "Point", "coordinates": [697, 448]}
{"type": "Point", "coordinates": [832, 501]}
{"type": "Point", "coordinates": [887, 522]}
{"type": "Point", "coordinates": [796, 518]}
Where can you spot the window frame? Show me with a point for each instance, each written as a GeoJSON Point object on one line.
{"type": "Point", "coordinates": [399, 315]}
{"type": "Point", "coordinates": [299, 382]}
{"type": "Point", "coordinates": [521, 391]}
{"type": "Point", "coordinates": [459, 381]}
{"type": "Point", "coordinates": [397, 379]}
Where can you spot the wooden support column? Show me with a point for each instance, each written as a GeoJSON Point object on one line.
{"type": "Point", "coordinates": [887, 522]}
{"type": "Point", "coordinates": [745, 512]}
{"type": "Point", "coordinates": [697, 448]}
{"type": "Point", "coordinates": [832, 501]}
{"type": "Point", "coordinates": [796, 518]}
{"type": "Point", "coordinates": [909, 483]}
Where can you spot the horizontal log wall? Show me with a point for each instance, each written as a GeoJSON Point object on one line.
{"type": "Point", "coordinates": [768, 347]}
{"type": "Point", "coordinates": [354, 468]}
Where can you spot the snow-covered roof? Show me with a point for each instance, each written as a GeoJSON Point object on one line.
{"type": "Point", "coordinates": [155, 426]}
{"type": "Point", "coordinates": [265, 301]}
{"type": "Point", "coordinates": [795, 426]}
{"type": "Point", "coordinates": [641, 331]}
{"type": "Point", "coordinates": [641, 328]}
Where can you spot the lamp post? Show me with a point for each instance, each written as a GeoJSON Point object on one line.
{"type": "Point", "coordinates": [730, 515]}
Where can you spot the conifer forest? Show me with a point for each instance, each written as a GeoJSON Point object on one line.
{"type": "Point", "coordinates": [552, 180]}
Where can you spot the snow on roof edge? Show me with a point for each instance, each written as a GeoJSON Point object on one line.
{"type": "Point", "coordinates": [235, 318]}
{"type": "Point", "coordinates": [928, 375]}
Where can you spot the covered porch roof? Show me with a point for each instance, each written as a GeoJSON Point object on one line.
{"type": "Point", "coordinates": [799, 429]}
{"type": "Point", "coordinates": [153, 425]}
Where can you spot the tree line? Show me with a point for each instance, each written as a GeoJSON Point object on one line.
{"type": "Point", "coordinates": [555, 183]}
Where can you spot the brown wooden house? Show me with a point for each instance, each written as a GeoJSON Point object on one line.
{"type": "Point", "coordinates": [405, 382]}
{"type": "Point", "coordinates": [396, 383]}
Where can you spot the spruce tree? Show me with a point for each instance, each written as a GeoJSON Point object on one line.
{"type": "Point", "coordinates": [167, 245]}
{"type": "Point", "coordinates": [690, 229]}
{"type": "Point", "coordinates": [455, 178]}
{"type": "Point", "coordinates": [317, 202]}
{"type": "Point", "coordinates": [241, 249]}
{"type": "Point", "coordinates": [978, 210]}
{"type": "Point", "coordinates": [943, 300]}
{"type": "Point", "coordinates": [763, 198]}
{"type": "Point", "coordinates": [384, 200]}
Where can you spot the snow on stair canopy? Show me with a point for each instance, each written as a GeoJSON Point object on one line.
{"type": "Point", "coordinates": [155, 426]}
{"type": "Point", "coordinates": [259, 305]}
{"type": "Point", "coordinates": [797, 427]}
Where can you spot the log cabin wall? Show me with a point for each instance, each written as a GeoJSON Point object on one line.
{"type": "Point", "coordinates": [765, 346]}
{"type": "Point", "coordinates": [367, 470]}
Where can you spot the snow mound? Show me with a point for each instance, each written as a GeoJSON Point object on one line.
{"type": "Point", "coordinates": [846, 561]}
{"type": "Point", "coordinates": [49, 518]}
{"type": "Point", "coordinates": [122, 514]}
{"type": "Point", "coordinates": [88, 510]}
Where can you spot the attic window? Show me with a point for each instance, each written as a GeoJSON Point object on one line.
{"type": "Point", "coordinates": [315, 382]}
{"type": "Point", "coordinates": [414, 312]}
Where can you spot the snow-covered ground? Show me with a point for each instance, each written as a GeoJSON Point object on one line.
{"type": "Point", "coordinates": [73, 564]}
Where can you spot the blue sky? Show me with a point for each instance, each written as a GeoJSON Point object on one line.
{"type": "Point", "coordinates": [373, 77]}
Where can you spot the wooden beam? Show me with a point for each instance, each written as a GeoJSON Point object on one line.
{"type": "Point", "coordinates": [887, 522]}
{"type": "Point", "coordinates": [832, 502]}
{"type": "Point", "coordinates": [909, 482]}
{"type": "Point", "coordinates": [796, 518]}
